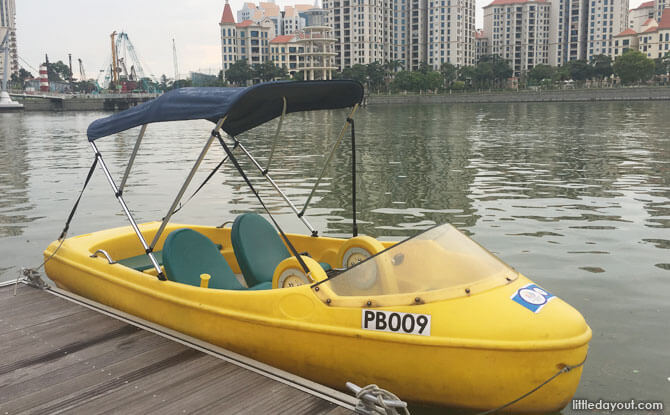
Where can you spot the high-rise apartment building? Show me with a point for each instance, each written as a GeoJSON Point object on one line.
{"type": "Point", "coordinates": [519, 32]}
{"type": "Point", "coordinates": [659, 6]}
{"type": "Point", "coordinates": [652, 38]}
{"type": "Point", "coordinates": [286, 22]}
{"type": "Point", "coordinates": [607, 18]}
{"type": "Point", "coordinates": [410, 32]}
{"type": "Point", "coordinates": [248, 40]}
{"type": "Point", "coordinates": [568, 28]}
{"type": "Point", "coordinates": [482, 43]}
{"type": "Point", "coordinates": [309, 49]}
{"type": "Point", "coordinates": [451, 25]}
{"type": "Point", "coordinates": [623, 42]}
{"type": "Point", "coordinates": [361, 30]}
{"type": "Point", "coordinates": [8, 26]}
{"type": "Point", "coordinates": [639, 15]}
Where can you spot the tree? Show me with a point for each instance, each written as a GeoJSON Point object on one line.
{"type": "Point", "coordinates": [449, 73]}
{"type": "Point", "coordinates": [375, 74]}
{"type": "Point", "coordinates": [633, 66]}
{"type": "Point", "coordinates": [484, 75]}
{"type": "Point", "coordinates": [268, 71]}
{"type": "Point", "coordinates": [501, 70]}
{"type": "Point", "coordinates": [58, 71]}
{"type": "Point", "coordinates": [602, 66]}
{"type": "Point", "coordinates": [562, 73]}
{"type": "Point", "coordinates": [84, 87]}
{"type": "Point", "coordinates": [433, 80]}
{"type": "Point", "coordinates": [540, 72]}
{"type": "Point", "coordinates": [393, 65]}
{"type": "Point", "coordinates": [239, 73]}
{"type": "Point", "coordinates": [466, 74]}
{"type": "Point", "coordinates": [18, 79]}
{"type": "Point", "coordinates": [357, 72]}
{"type": "Point", "coordinates": [662, 64]}
{"type": "Point", "coordinates": [299, 76]}
{"type": "Point", "coordinates": [402, 81]}
{"type": "Point", "coordinates": [580, 70]}
{"type": "Point", "coordinates": [163, 85]}
{"type": "Point", "coordinates": [181, 83]}
{"type": "Point", "coordinates": [281, 72]}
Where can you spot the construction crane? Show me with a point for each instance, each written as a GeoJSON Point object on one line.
{"type": "Point", "coordinates": [174, 58]}
{"type": "Point", "coordinates": [82, 73]}
{"type": "Point", "coordinates": [122, 67]}
{"type": "Point", "coordinates": [124, 64]}
{"type": "Point", "coordinates": [69, 56]}
{"type": "Point", "coordinates": [115, 64]}
{"type": "Point", "coordinates": [123, 43]}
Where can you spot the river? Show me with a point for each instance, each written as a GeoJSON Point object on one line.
{"type": "Point", "coordinates": [574, 195]}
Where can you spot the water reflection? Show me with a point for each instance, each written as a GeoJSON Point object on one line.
{"type": "Point", "coordinates": [14, 176]}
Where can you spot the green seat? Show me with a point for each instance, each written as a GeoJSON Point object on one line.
{"type": "Point", "coordinates": [258, 248]}
{"type": "Point", "coordinates": [187, 254]}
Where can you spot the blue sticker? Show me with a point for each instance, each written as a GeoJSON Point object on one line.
{"type": "Point", "coordinates": [532, 297]}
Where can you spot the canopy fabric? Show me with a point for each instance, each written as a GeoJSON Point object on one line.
{"type": "Point", "coordinates": [246, 108]}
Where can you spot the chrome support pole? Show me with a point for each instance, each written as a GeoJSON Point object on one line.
{"type": "Point", "coordinates": [274, 142]}
{"type": "Point", "coordinates": [119, 197]}
{"type": "Point", "coordinates": [330, 157]}
{"type": "Point", "coordinates": [281, 193]}
{"type": "Point", "coordinates": [202, 155]}
{"type": "Point", "coordinates": [132, 158]}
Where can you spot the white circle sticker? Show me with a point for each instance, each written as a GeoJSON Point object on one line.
{"type": "Point", "coordinates": [532, 296]}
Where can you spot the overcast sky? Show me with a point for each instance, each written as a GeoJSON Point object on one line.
{"type": "Point", "coordinates": [82, 28]}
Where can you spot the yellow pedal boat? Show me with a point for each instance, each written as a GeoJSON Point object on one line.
{"type": "Point", "coordinates": [436, 319]}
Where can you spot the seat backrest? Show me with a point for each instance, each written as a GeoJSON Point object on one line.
{"type": "Point", "coordinates": [187, 254]}
{"type": "Point", "coordinates": [258, 248]}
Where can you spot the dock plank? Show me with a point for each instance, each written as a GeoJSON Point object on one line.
{"type": "Point", "coordinates": [58, 335]}
{"type": "Point", "coordinates": [62, 357]}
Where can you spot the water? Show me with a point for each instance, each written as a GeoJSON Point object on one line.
{"type": "Point", "coordinates": [575, 196]}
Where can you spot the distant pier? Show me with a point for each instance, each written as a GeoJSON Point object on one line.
{"type": "Point", "coordinates": [81, 102]}
{"type": "Point", "coordinates": [62, 354]}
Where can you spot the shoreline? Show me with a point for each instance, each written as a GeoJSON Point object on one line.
{"type": "Point", "coordinates": [119, 102]}
{"type": "Point", "coordinates": [659, 93]}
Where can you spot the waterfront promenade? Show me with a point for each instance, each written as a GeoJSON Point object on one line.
{"type": "Point", "coordinates": [657, 93]}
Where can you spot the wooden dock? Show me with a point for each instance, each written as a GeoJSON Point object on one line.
{"type": "Point", "coordinates": [60, 353]}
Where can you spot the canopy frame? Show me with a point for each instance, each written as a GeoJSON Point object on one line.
{"type": "Point", "coordinates": [330, 157]}
{"type": "Point", "coordinates": [149, 248]}
{"type": "Point", "coordinates": [177, 199]}
{"type": "Point", "coordinates": [136, 148]}
{"type": "Point", "coordinates": [126, 211]}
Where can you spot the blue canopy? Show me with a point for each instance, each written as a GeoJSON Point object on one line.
{"type": "Point", "coordinates": [246, 108]}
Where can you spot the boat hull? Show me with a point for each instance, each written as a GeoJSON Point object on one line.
{"type": "Point", "coordinates": [476, 357]}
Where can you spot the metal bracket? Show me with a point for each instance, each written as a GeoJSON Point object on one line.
{"type": "Point", "coordinates": [106, 255]}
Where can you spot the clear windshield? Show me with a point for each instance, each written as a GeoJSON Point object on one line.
{"type": "Point", "coordinates": [437, 264]}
